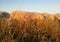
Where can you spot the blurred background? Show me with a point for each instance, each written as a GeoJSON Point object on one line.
{"type": "Point", "coordinates": [50, 6]}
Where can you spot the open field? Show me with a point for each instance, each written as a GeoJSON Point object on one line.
{"type": "Point", "coordinates": [21, 26]}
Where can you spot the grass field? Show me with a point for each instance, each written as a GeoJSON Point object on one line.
{"type": "Point", "coordinates": [21, 26]}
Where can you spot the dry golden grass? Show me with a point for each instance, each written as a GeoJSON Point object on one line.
{"type": "Point", "coordinates": [29, 27]}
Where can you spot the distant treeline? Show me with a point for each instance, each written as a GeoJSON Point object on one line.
{"type": "Point", "coordinates": [21, 26]}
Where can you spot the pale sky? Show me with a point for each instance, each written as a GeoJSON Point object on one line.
{"type": "Point", "coordinates": [50, 6]}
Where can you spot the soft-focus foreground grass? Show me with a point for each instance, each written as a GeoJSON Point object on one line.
{"type": "Point", "coordinates": [29, 29]}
